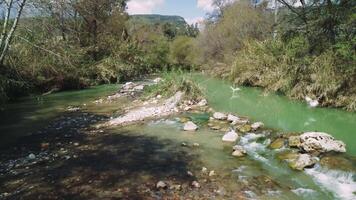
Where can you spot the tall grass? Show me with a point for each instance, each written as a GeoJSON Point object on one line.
{"type": "Point", "coordinates": [291, 70]}
{"type": "Point", "coordinates": [174, 81]}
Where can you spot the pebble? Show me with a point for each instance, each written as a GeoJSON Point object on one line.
{"type": "Point", "coordinates": [195, 184]}
{"type": "Point", "coordinates": [212, 173]}
{"type": "Point", "coordinates": [161, 184]}
{"type": "Point", "coordinates": [32, 156]}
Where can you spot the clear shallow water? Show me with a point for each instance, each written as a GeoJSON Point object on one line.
{"type": "Point", "coordinates": [260, 162]}
{"type": "Point", "coordinates": [279, 112]}
{"type": "Point", "coordinates": [32, 113]}
{"type": "Point", "coordinates": [275, 111]}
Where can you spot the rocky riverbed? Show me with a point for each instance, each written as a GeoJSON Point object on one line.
{"type": "Point", "coordinates": [177, 149]}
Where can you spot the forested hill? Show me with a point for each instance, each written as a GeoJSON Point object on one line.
{"type": "Point", "coordinates": [154, 19]}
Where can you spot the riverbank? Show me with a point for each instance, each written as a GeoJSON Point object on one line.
{"type": "Point", "coordinates": [78, 156]}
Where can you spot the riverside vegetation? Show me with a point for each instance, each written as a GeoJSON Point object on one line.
{"type": "Point", "coordinates": [305, 51]}
{"type": "Point", "coordinates": [183, 134]}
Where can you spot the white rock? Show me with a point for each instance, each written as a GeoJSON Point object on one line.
{"type": "Point", "coordinates": [232, 118]}
{"type": "Point", "coordinates": [320, 142]}
{"type": "Point", "coordinates": [161, 184]}
{"type": "Point", "coordinates": [195, 184]}
{"type": "Point", "coordinates": [212, 173]}
{"type": "Point", "coordinates": [303, 161]}
{"type": "Point", "coordinates": [203, 102]}
{"type": "Point", "coordinates": [219, 116]}
{"type": "Point", "coordinates": [159, 97]}
{"type": "Point", "coordinates": [231, 136]}
{"type": "Point", "coordinates": [157, 80]}
{"type": "Point", "coordinates": [257, 125]}
{"type": "Point", "coordinates": [204, 170]}
{"type": "Point", "coordinates": [196, 145]}
{"type": "Point", "coordinates": [139, 87]}
{"type": "Point", "coordinates": [239, 151]}
{"type": "Point", "coordinates": [190, 126]}
{"type": "Point", "coordinates": [32, 156]}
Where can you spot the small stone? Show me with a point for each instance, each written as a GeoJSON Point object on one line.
{"type": "Point", "coordinates": [212, 173]}
{"type": "Point", "coordinates": [203, 102]}
{"type": "Point", "coordinates": [32, 156]}
{"type": "Point", "coordinates": [139, 87]}
{"type": "Point", "coordinates": [303, 161]}
{"type": "Point", "coordinates": [44, 145]}
{"type": "Point", "coordinates": [195, 184]}
{"type": "Point", "coordinates": [294, 141]}
{"type": "Point", "coordinates": [161, 184]}
{"type": "Point", "coordinates": [189, 173]}
{"type": "Point", "coordinates": [157, 80]}
{"type": "Point", "coordinates": [277, 144]}
{"type": "Point", "coordinates": [196, 145]}
{"type": "Point", "coordinates": [204, 170]}
{"type": "Point", "coordinates": [219, 116]}
{"type": "Point", "coordinates": [190, 126]}
{"type": "Point", "coordinates": [175, 187]}
{"type": "Point", "coordinates": [231, 136]}
{"type": "Point", "coordinates": [238, 151]}
{"type": "Point", "coordinates": [232, 118]}
{"type": "Point", "coordinates": [245, 128]}
{"type": "Point", "coordinates": [76, 144]}
{"type": "Point", "coordinates": [159, 97]}
{"type": "Point", "coordinates": [257, 125]}
{"type": "Point", "coordinates": [184, 144]}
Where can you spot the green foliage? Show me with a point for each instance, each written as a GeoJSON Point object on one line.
{"type": "Point", "coordinates": [182, 51]}
{"type": "Point", "coordinates": [239, 22]}
{"type": "Point", "coordinates": [173, 82]}
{"type": "Point", "coordinates": [287, 68]}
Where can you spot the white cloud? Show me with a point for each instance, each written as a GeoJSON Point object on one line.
{"type": "Point", "coordinates": [206, 5]}
{"type": "Point", "coordinates": [143, 6]}
{"type": "Point", "coordinates": [194, 20]}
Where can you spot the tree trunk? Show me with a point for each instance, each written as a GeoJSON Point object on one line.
{"type": "Point", "coordinates": [5, 46]}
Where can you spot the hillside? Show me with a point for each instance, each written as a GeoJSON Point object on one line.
{"type": "Point", "coordinates": [154, 19]}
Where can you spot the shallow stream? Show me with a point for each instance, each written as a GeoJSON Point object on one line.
{"type": "Point", "coordinates": [260, 175]}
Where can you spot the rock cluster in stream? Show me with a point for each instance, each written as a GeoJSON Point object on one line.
{"type": "Point", "coordinates": [303, 150]}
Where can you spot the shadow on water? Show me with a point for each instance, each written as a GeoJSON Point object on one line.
{"type": "Point", "coordinates": [30, 114]}
{"type": "Point", "coordinates": [104, 165]}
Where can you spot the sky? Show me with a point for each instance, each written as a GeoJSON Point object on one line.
{"type": "Point", "coordinates": [192, 10]}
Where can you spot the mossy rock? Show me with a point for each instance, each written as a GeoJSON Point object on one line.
{"type": "Point", "coordinates": [294, 141]}
{"type": "Point", "coordinates": [288, 155]}
{"type": "Point", "coordinates": [277, 144]}
{"type": "Point", "coordinates": [245, 128]}
{"type": "Point", "coordinates": [184, 119]}
{"type": "Point", "coordinates": [338, 162]}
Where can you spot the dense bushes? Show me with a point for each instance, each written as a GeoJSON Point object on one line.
{"type": "Point", "coordinates": [287, 68]}
{"type": "Point", "coordinates": [221, 39]}
{"type": "Point", "coordinates": [74, 45]}
{"type": "Point", "coordinates": [312, 55]}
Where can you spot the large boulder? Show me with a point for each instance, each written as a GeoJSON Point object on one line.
{"type": "Point", "coordinates": [231, 136]}
{"type": "Point", "coordinates": [190, 126]}
{"type": "Point", "coordinates": [219, 116]}
{"type": "Point", "coordinates": [318, 142]}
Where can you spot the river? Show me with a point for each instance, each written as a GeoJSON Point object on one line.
{"type": "Point", "coordinates": [154, 149]}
